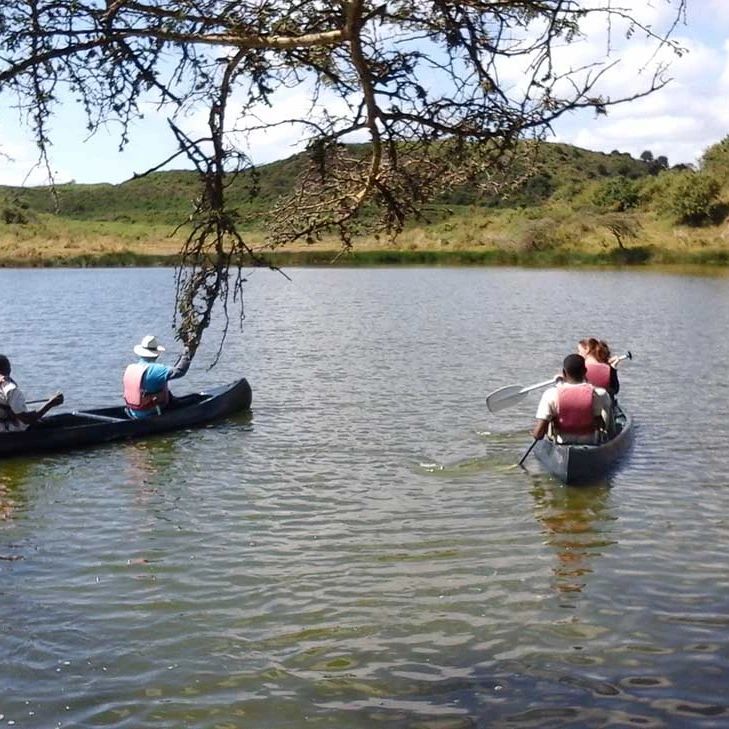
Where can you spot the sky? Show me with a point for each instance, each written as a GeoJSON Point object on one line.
{"type": "Point", "coordinates": [680, 121]}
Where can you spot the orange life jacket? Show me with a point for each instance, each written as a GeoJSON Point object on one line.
{"type": "Point", "coordinates": [598, 374]}
{"type": "Point", "coordinates": [574, 409]}
{"type": "Point", "coordinates": [135, 397]}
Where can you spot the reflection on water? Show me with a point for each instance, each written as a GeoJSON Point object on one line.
{"type": "Point", "coordinates": [576, 523]}
{"type": "Point", "coordinates": [13, 475]}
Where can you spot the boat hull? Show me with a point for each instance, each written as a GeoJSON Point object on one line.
{"type": "Point", "coordinates": [66, 431]}
{"type": "Point", "coordinates": [585, 463]}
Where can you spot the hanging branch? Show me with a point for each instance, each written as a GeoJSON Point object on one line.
{"type": "Point", "coordinates": [424, 84]}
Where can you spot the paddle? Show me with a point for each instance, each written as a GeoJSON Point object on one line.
{"type": "Point", "coordinates": [510, 395]}
{"type": "Point", "coordinates": [615, 360]}
{"type": "Point", "coordinates": [507, 396]}
{"type": "Point", "coordinates": [52, 402]}
{"type": "Point", "coordinates": [100, 418]}
{"type": "Point", "coordinates": [528, 451]}
{"type": "Point", "coordinates": [524, 457]}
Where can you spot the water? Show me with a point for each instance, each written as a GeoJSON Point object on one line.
{"type": "Point", "coordinates": [354, 552]}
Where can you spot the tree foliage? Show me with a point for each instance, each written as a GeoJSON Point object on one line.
{"type": "Point", "coordinates": [425, 83]}
{"type": "Point", "coordinates": [686, 196]}
{"type": "Point", "coordinates": [616, 194]}
{"type": "Point", "coordinates": [715, 160]}
{"type": "Point", "coordinates": [693, 197]}
{"type": "Point", "coordinates": [622, 227]}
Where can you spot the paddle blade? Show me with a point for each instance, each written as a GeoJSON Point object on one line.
{"type": "Point", "coordinates": [505, 397]}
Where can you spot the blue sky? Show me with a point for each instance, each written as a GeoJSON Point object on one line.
{"type": "Point", "coordinates": [680, 121]}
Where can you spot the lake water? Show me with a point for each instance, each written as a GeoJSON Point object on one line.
{"type": "Point", "coordinates": [353, 552]}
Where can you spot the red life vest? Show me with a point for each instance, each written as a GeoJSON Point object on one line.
{"type": "Point", "coordinates": [574, 409]}
{"type": "Point", "coordinates": [598, 374]}
{"type": "Point", "coordinates": [135, 397]}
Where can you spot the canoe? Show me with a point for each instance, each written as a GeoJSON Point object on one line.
{"type": "Point", "coordinates": [585, 463]}
{"type": "Point", "coordinates": [90, 427]}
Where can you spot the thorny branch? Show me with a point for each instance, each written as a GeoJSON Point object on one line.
{"type": "Point", "coordinates": [429, 85]}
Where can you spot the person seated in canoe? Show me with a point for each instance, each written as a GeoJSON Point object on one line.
{"type": "Point", "coordinates": [145, 382]}
{"type": "Point", "coordinates": [14, 413]}
{"type": "Point", "coordinates": [574, 410]}
{"type": "Point", "coordinates": [601, 367]}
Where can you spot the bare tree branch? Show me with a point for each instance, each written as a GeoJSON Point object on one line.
{"type": "Point", "coordinates": [425, 84]}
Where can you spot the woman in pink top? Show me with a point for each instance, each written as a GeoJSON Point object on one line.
{"type": "Point", "coordinates": [600, 370]}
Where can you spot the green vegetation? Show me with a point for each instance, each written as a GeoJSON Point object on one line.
{"type": "Point", "coordinates": [577, 208]}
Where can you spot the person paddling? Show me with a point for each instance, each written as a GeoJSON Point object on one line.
{"type": "Point", "coordinates": [145, 382]}
{"type": "Point", "coordinates": [577, 410]}
{"type": "Point", "coordinates": [14, 413]}
{"type": "Point", "coordinates": [599, 364]}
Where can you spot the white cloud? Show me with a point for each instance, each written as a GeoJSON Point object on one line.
{"type": "Point", "coordinates": [679, 121]}
{"type": "Point", "coordinates": [21, 165]}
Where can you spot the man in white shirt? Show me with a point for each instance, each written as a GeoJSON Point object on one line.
{"type": "Point", "coordinates": [14, 413]}
{"type": "Point", "coordinates": [577, 410]}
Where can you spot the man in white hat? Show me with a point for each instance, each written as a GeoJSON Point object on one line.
{"type": "Point", "coordinates": [145, 382]}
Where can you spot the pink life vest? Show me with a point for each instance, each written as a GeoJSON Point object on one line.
{"type": "Point", "coordinates": [598, 374]}
{"type": "Point", "coordinates": [574, 409]}
{"type": "Point", "coordinates": [134, 395]}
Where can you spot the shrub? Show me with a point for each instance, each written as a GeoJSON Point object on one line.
{"type": "Point", "coordinates": [682, 195]}
{"type": "Point", "coordinates": [616, 195]}
{"type": "Point", "coordinates": [539, 235]}
{"type": "Point", "coordinates": [715, 160]}
{"type": "Point", "coordinates": [694, 198]}
{"type": "Point", "coordinates": [14, 211]}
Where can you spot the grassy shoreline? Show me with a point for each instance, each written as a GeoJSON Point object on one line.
{"type": "Point", "coordinates": [637, 256]}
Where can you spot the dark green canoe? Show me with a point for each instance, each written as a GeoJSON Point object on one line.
{"type": "Point", "coordinates": [584, 463]}
{"type": "Point", "coordinates": [89, 427]}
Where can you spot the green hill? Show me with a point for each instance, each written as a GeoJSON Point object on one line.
{"type": "Point", "coordinates": [576, 206]}
{"type": "Point", "coordinates": [166, 197]}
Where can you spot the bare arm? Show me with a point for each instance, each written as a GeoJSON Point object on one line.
{"type": "Point", "coordinates": [180, 367]}
{"type": "Point", "coordinates": [33, 416]}
{"type": "Point", "coordinates": [540, 429]}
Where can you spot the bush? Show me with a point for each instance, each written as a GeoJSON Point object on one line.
{"type": "Point", "coordinates": [694, 198]}
{"type": "Point", "coordinates": [14, 211]}
{"type": "Point", "coordinates": [616, 195]}
{"type": "Point", "coordinates": [539, 235]}
{"type": "Point", "coordinates": [686, 197]}
{"type": "Point", "coordinates": [715, 160]}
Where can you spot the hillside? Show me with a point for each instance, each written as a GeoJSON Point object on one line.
{"type": "Point", "coordinates": [577, 205]}
{"type": "Point", "coordinates": [165, 197]}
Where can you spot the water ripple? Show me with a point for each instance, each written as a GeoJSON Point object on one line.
{"type": "Point", "coordinates": [356, 552]}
